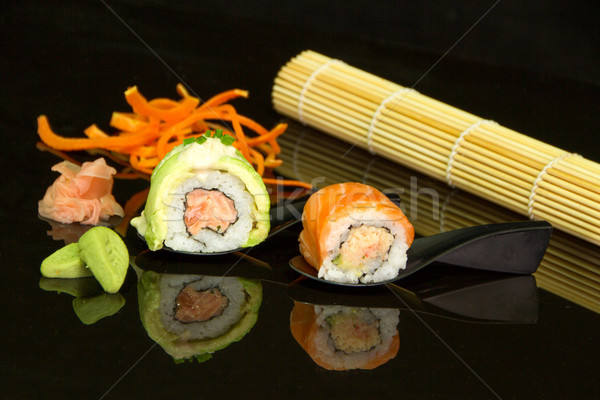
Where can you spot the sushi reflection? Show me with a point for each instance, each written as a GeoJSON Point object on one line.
{"type": "Point", "coordinates": [193, 316]}
{"type": "Point", "coordinates": [342, 328]}
{"type": "Point", "coordinates": [345, 338]}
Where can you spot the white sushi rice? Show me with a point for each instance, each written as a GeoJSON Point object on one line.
{"type": "Point", "coordinates": [388, 320]}
{"type": "Point", "coordinates": [207, 240]}
{"type": "Point", "coordinates": [378, 272]}
{"type": "Point", "coordinates": [170, 287]}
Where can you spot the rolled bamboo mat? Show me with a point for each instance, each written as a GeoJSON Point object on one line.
{"type": "Point", "coordinates": [465, 151]}
{"type": "Point", "coordinates": [569, 269]}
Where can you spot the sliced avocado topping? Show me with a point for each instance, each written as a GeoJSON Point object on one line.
{"type": "Point", "coordinates": [179, 166]}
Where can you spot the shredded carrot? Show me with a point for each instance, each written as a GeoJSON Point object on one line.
{"type": "Point", "coordinates": [271, 162]}
{"type": "Point", "coordinates": [267, 137]}
{"type": "Point", "coordinates": [141, 106]}
{"type": "Point", "coordinates": [93, 131]}
{"type": "Point", "coordinates": [287, 182]}
{"type": "Point", "coordinates": [126, 122]}
{"type": "Point", "coordinates": [224, 97]}
{"type": "Point", "coordinates": [111, 142]}
{"type": "Point", "coordinates": [154, 127]}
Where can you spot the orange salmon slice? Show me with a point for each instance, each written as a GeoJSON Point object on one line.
{"type": "Point", "coordinates": [210, 209]}
{"type": "Point", "coordinates": [198, 306]}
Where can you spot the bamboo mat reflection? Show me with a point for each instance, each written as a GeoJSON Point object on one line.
{"type": "Point", "coordinates": [570, 268]}
{"type": "Point", "coordinates": [465, 151]}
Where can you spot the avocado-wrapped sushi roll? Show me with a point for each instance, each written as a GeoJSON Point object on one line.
{"type": "Point", "coordinates": [344, 338]}
{"type": "Point", "coordinates": [205, 197]}
{"type": "Point", "coordinates": [353, 233]}
{"type": "Point", "coordinates": [192, 316]}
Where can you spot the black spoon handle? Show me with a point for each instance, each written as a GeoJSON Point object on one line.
{"type": "Point", "coordinates": [512, 247]}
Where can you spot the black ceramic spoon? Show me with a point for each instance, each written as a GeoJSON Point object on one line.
{"type": "Point", "coordinates": [512, 247]}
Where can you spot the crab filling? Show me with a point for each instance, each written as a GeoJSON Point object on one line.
{"type": "Point", "coordinates": [366, 247]}
{"type": "Point", "coordinates": [355, 331]}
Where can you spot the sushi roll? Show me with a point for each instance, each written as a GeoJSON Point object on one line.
{"type": "Point", "coordinates": [205, 197]}
{"type": "Point", "coordinates": [344, 338]}
{"type": "Point", "coordinates": [192, 316]}
{"type": "Point", "coordinates": [353, 233]}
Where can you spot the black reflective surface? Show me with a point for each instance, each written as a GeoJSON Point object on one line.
{"type": "Point", "coordinates": [461, 334]}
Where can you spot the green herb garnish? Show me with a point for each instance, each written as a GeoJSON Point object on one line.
{"type": "Point", "coordinates": [227, 140]}
{"type": "Point", "coordinates": [216, 134]}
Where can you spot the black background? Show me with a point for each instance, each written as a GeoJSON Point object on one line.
{"type": "Point", "coordinates": [532, 66]}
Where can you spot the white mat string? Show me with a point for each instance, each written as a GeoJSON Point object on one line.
{"type": "Point", "coordinates": [456, 145]}
{"type": "Point", "coordinates": [377, 114]}
{"type": "Point", "coordinates": [540, 178]}
{"type": "Point", "coordinates": [307, 84]}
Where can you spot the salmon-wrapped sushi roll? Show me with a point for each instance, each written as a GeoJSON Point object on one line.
{"type": "Point", "coordinates": [344, 338]}
{"type": "Point", "coordinates": [353, 233]}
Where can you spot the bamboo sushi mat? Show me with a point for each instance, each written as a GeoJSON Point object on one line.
{"type": "Point", "coordinates": [477, 155]}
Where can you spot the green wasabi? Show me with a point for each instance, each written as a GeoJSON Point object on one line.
{"type": "Point", "coordinates": [105, 254]}
{"type": "Point", "coordinates": [65, 263]}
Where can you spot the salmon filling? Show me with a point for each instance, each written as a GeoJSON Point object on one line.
{"type": "Point", "coordinates": [199, 306]}
{"type": "Point", "coordinates": [210, 209]}
{"type": "Point", "coordinates": [365, 246]}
